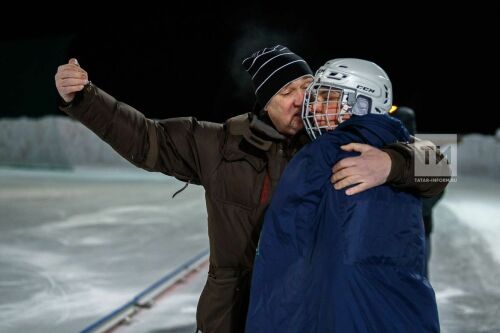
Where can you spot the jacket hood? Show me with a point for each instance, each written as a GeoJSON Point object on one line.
{"type": "Point", "coordinates": [376, 130]}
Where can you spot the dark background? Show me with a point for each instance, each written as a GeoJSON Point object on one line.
{"type": "Point", "coordinates": [187, 61]}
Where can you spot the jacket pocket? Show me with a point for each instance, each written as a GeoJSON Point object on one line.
{"type": "Point", "coordinates": [236, 183]}
{"type": "Point", "coordinates": [223, 304]}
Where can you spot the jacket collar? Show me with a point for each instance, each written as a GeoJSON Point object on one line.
{"type": "Point", "coordinates": [255, 131]}
{"type": "Point", "coordinates": [258, 138]}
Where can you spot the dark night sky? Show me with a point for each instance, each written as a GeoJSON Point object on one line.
{"type": "Point", "coordinates": [187, 62]}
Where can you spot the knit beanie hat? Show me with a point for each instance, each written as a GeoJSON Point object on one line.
{"type": "Point", "coordinates": [272, 68]}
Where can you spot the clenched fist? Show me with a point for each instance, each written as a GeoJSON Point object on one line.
{"type": "Point", "coordinates": [70, 78]}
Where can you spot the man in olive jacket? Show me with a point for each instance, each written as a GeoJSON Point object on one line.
{"type": "Point", "coordinates": [238, 163]}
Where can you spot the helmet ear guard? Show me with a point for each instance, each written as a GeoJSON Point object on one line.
{"type": "Point", "coordinates": [361, 87]}
{"type": "Point", "coordinates": [362, 106]}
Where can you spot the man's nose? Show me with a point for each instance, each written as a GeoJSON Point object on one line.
{"type": "Point", "coordinates": [299, 97]}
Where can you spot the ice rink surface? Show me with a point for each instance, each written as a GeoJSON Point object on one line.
{"type": "Point", "coordinates": [76, 245]}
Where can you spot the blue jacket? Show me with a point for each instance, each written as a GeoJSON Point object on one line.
{"type": "Point", "coordinates": [328, 262]}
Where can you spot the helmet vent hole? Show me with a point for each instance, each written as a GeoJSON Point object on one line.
{"type": "Point", "coordinates": [336, 76]}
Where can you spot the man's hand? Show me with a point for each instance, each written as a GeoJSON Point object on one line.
{"type": "Point", "coordinates": [70, 78]}
{"type": "Point", "coordinates": [368, 170]}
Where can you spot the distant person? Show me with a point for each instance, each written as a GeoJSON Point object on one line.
{"type": "Point", "coordinates": [328, 262]}
{"type": "Point", "coordinates": [407, 117]}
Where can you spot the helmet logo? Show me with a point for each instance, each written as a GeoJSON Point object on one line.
{"type": "Point", "coordinates": [367, 89]}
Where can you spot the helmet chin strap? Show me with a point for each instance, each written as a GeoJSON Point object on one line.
{"type": "Point", "coordinates": [346, 109]}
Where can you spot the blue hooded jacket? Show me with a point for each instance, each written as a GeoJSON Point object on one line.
{"type": "Point", "coordinates": [328, 262]}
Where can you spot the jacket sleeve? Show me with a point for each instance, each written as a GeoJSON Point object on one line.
{"type": "Point", "coordinates": [402, 175]}
{"type": "Point", "coordinates": [179, 147]}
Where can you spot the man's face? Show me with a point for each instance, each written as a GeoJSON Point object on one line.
{"type": "Point", "coordinates": [285, 108]}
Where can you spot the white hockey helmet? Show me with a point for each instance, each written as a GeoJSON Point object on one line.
{"type": "Point", "coordinates": [344, 87]}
